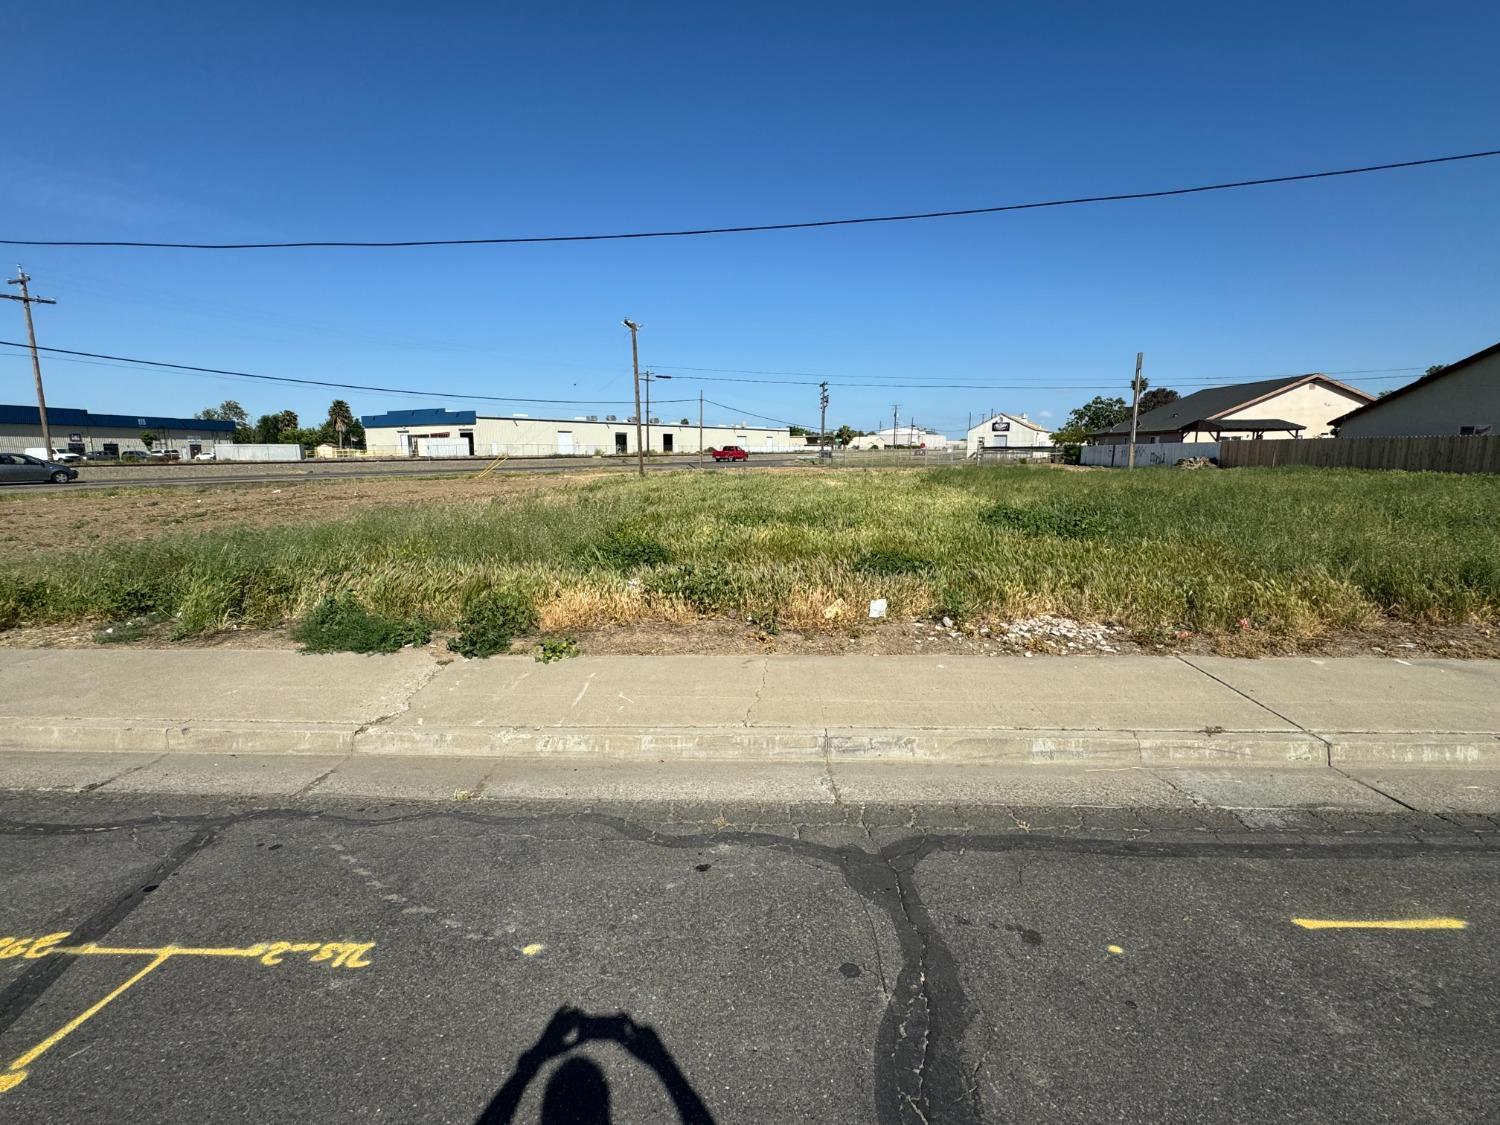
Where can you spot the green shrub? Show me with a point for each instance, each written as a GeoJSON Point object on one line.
{"type": "Point", "coordinates": [492, 619]}
{"type": "Point", "coordinates": [341, 624]}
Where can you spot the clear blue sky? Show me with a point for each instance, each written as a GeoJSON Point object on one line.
{"type": "Point", "coordinates": [208, 121]}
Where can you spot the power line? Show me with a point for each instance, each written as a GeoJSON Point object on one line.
{"type": "Point", "coordinates": [825, 375]}
{"type": "Point", "coordinates": [752, 414]}
{"type": "Point", "coordinates": [1114, 198]}
{"type": "Point", "coordinates": [463, 396]}
{"type": "Point", "coordinates": [1010, 386]}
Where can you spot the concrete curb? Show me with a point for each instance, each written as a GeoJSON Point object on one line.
{"type": "Point", "coordinates": [765, 744]}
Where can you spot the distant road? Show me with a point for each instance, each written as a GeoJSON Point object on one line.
{"type": "Point", "coordinates": [275, 473]}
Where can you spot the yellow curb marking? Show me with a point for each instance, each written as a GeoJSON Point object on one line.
{"type": "Point", "coordinates": [335, 954]}
{"type": "Point", "coordinates": [1381, 924]}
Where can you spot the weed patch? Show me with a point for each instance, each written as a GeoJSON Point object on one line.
{"type": "Point", "coordinates": [491, 621]}
{"type": "Point", "coordinates": [341, 624]}
{"type": "Point", "coordinates": [553, 649]}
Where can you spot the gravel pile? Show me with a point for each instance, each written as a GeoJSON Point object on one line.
{"type": "Point", "coordinates": [1047, 633]}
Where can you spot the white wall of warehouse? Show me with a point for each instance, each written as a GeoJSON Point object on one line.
{"type": "Point", "coordinates": [550, 437]}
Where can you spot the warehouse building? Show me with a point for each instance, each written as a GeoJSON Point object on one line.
{"type": "Point", "coordinates": [998, 434]}
{"type": "Point", "coordinates": [83, 432]}
{"type": "Point", "coordinates": [465, 433]}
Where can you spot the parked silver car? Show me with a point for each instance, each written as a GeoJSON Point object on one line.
{"type": "Point", "coordinates": [22, 468]}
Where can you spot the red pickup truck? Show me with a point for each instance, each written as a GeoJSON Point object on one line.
{"type": "Point", "coordinates": [729, 453]}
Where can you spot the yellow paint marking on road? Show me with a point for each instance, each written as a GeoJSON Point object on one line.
{"type": "Point", "coordinates": [18, 1067]}
{"type": "Point", "coordinates": [333, 954]}
{"type": "Point", "coordinates": [1381, 924]}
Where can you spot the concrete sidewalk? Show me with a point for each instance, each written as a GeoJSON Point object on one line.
{"type": "Point", "coordinates": [1123, 710]}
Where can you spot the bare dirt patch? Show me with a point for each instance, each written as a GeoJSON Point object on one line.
{"type": "Point", "coordinates": [39, 521]}
{"type": "Point", "coordinates": [733, 636]}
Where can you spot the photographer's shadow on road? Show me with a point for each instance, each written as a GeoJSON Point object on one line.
{"type": "Point", "coordinates": [577, 1092]}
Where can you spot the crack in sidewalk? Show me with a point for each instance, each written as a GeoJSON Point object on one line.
{"type": "Point", "coordinates": [404, 705]}
{"type": "Point", "coordinates": [1327, 744]}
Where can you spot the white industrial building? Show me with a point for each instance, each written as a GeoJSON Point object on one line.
{"type": "Point", "coordinates": [1007, 431]}
{"type": "Point", "coordinates": [910, 437]}
{"type": "Point", "coordinates": [465, 433]}
{"type": "Point", "coordinates": [83, 432]}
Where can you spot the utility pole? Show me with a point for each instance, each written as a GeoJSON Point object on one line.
{"type": "Point", "coordinates": [895, 433]}
{"type": "Point", "coordinates": [1135, 406]}
{"type": "Point", "coordinates": [635, 366]}
{"type": "Point", "coordinates": [822, 418]}
{"type": "Point", "coordinates": [700, 427]}
{"type": "Point", "coordinates": [27, 300]}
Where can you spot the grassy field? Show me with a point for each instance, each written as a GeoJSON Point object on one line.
{"type": "Point", "coordinates": [1285, 553]}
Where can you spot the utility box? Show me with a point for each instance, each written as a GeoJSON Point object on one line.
{"type": "Point", "coordinates": [229, 451]}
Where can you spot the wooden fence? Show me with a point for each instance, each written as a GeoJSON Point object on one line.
{"type": "Point", "coordinates": [1447, 454]}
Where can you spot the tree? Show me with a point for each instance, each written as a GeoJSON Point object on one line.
{"type": "Point", "coordinates": [1157, 397]}
{"type": "Point", "coordinates": [226, 411]}
{"type": "Point", "coordinates": [328, 433]}
{"type": "Point", "coordinates": [1099, 413]}
{"type": "Point", "coordinates": [1434, 369]}
{"type": "Point", "coordinates": [800, 431]}
{"type": "Point", "coordinates": [148, 439]}
{"type": "Point", "coordinates": [684, 422]}
{"type": "Point", "coordinates": [845, 434]}
{"type": "Point", "coordinates": [272, 429]}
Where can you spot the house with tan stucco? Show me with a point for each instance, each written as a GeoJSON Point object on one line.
{"type": "Point", "coordinates": [1462, 398]}
{"type": "Point", "coordinates": [1297, 406]}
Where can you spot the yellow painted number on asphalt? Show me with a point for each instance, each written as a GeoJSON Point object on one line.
{"type": "Point", "coordinates": [332, 954]}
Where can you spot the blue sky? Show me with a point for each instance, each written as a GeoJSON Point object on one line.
{"type": "Point", "coordinates": [205, 121]}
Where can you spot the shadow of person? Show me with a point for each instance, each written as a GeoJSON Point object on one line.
{"type": "Point", "coordinates": [577, 1092]}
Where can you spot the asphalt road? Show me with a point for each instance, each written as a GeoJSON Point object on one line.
{"type": "Point", "coordinates": [200, 476]}
{"type": "Point", "coordinates": [771, 971]}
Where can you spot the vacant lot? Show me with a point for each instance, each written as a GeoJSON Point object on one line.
{"type": "Point", "coordinates": [1289, 554]}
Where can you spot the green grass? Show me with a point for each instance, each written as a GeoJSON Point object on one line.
{"type": "Point", "coordinates": [1295, 552]}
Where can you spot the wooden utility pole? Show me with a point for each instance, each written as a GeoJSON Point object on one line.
{"type": "Point", "coordinates": [1135, 406]}
{"type": "Point", "coordinates": [700, 427]}
{"type": "Point", "coordinates": [822, 417]}
{"type": "Point", "coordinates": [27, 300]}
{"type": "Point", "coordinates": [895, 434]}
{"type": "Point", "coordinates": [635, 366]}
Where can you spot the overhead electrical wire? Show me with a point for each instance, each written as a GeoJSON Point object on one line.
{"type": "Point", "coordinates": [455, 395]}
{"type": "Point", "coordinates": [752, 228]}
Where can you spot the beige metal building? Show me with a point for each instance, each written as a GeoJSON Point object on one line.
{"type": "Point", "coordinates": [83, 432]}
{"type": "Point", "coordinates": [465, 433]}
{"type": "Point", "coordinates": [1462, 398]}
